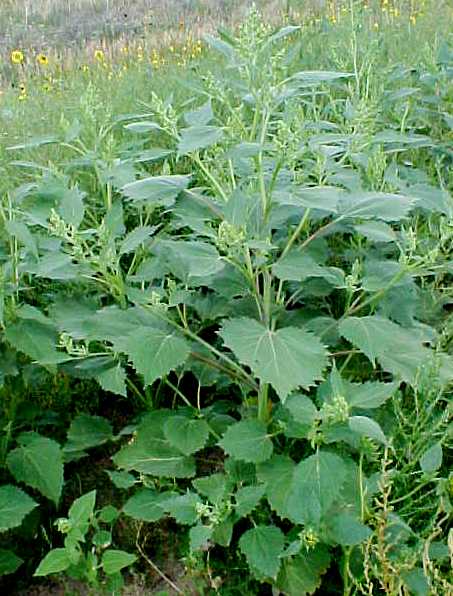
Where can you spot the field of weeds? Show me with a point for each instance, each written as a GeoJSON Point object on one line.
{"type": "Point", "coordinates": [226, 239]}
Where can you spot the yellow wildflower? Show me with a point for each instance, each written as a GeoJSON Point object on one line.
{"type": "Point", "coordinates": [17, 57]}
{"type": "Point", "coordinates": [413, 19]}
{"type": "Point", "coordinates": [42, 59]}
{"type": "Point", "coordinates": [99, 55]}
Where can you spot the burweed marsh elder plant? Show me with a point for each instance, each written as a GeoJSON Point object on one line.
{"type": "Point", "coordinates": [244, 275]}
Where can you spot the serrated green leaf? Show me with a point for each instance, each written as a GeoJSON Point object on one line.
{"type": "Point", "coordinates": [14, 506]}
{"type": "Point", "coordinates": [199, 537]}
{"type": "Point", "coordinates": [376, 231]}
{"type": "Point", "coordinates": [56, 561]}
{"type": "Point", "coordinates": [88, 431]}
{"type": "Point", "coordinates": [316, 77]}
{"type": "Point", "coordinates": [186, 434]}
{"type": "Point", "coordinates": [39, 464]}
{"type": "Point", "coordinates": [115, 560]}
{"type": "Point", "coordinates": [431, 460]}
{"type": "Point", "coordinates": [154, 352]}
{"type": "Point", "coordinates": [9, 562]}
{"type": "Point", "coordinates": [369, 395]}
{"type": "Point", "coordinates": [200, 116]}
{"type": "Point", "coordinates": [82, 509]}
{"type": "Point", "coordinates": [247, 498]}
{"type": "Point", "coordinates": [262, 547]}
{"type": "Point", "coordinates": [113, 379]}
{"type": "Point", "coordinates": [151, 453]}
{"type": "Point", "coordinates": [377, 205]}
{"type": "Point", "coordinates": [192, 258]}
{"type": "Point", "coordinates": [317, 483]}
{"type": "Point", "coordinates": [277, 474]}
{"type": "Point", "coordinates": [36, 340]}
{"type": "Point", "coordinates": [122, 480]}
{"type": "Point", "coordinates": [20, 231]}
{"type": "Point", "coordinates": [71, 207]}
{"type": "Point", "coordinates": [287, 358]}
{"type": "Point", "coordinates": [146, 505]}
{"type": "Point", "coordinates": [184, 508]}
{"type": "Point", "coordinates": [247, 441]}
{"type": "Point", "coordinates": [198, 137]}
{"type": "Point", "coordinates": [213, 487]}
{"type": "Point", "coordinates": [134, 238]}
{"type": "Point", "coordinates": [367, 427]}
{"type": "Point", "coordinates": [398, 350]}
{"type": "Point", "coordinates": [159, 190]}
{"type": "Point", "coordinates": [347, 530]}
{"type": "Point", "coordinates": [297, 266]}
{"type": "Point", "coordinates": [301, 575]}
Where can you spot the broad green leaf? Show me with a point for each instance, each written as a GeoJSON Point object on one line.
{"type": "Point", "coordinates": [200, 116]}
{"type": "Point", "coordinates": [199, 536]}
{"type": "Point", "coordinates": [287, 358]}
{"type": "Point", "coordinates": [367, 427]}
{"type": "Point", "coordinates": [184, 508]}
{"type": "Point", "coordinates": [213, 487]}
{"type": "Point", "coordinates": [262, 547]}
{"type": "Point", "coordinates": [301, 575]}
{"type": "Point", "coordinates": [277, 474]}
{"type": "Point", "coordinates": [154, 352]}
{"type": "Point", "coordinates": [20, 231]}
{"type": "Point", "coordinates": [302, 409]}
{"type": "Point", "coordinates": [369, 395]}
{"type": "Point", "coordinates": [14, 506]}
{"type": "Point", "coordinates": [431, 460]}
{"type": "Point", "coordinates": [88, 431]}
{"type": "Point", "coordinates": [151, 453]}
{"type": "Point", "coordinates": [297, 266]}
{"type": "Point", "coordinates": [9, 562]}
{"type": "Point", "coordinates": [53, 265]}
{"type": "Point", "coordinates": [187, 435]}
{"type": "Point", "coordinates": [157, 190]}
{"type": "Point", "coordinates": [122, 480]}
{"type": "Point", "coordinates": [198, 137]}
{"type": "Point", "coordinates": [82, 509]}
{"type": "Point", "coordinates": [247, 498]}
{"type": "Point", "coordinates": [316, 77]}
{"type": "Point", "coordinates": [142, 126]}
{"type": "Point", "coordinates": [247, 441]}
{"type": "Point", "coordinates": [317, 483]}
{"type": "Point", "coordinates": [416, 582]}
{"type": "Point", "coordinates": [399, 351]}
{"type": "Point", "coordinates": [376, 231]}
{"type": "Point", "coordinates": [153, 154]}
{"type": "Point", "coordinates": [56, 561]}
{"type": "Point", "coordinates": [146, 505]}
{"type": "Point", "coordinates": [39, 463]}
{"type": "Point", "coordinates": [115, 560]}
{"type": "Point", "coordinates": [382, 206]}
{"type": "Point", "coordinates": [191, 258]}
{"type": "Point", "coordinates": [71, 207]}
{"type": "Point", "coordinates": [136, 237]}
{"type": "Point", "coordinates": [36, 340]}
{"type": "Point", "coordinates": [347, 530]}
{"type": "Point", "coordinates": [113, 379]}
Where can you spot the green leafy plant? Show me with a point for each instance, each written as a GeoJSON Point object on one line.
{"type": "Point", "coordinates": [87, 552]}
{"type": "Point", "coordinates": [265, 271]}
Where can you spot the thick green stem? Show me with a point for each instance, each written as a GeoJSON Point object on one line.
{"type": "Point", "coordinates": [263, 403]}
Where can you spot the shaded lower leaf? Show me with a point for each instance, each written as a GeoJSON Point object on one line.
{"type": "Point", "coordinates": [39, 463]}
{"type": "Point", "coordinates": [301, 575]}
{"type": "Point", "coordinates": [55, 561]}
{"type": "Point", "coordinates": [247, 441]}
{"type": "Point", "coordinates": [9, 562]}
{"type": "Point", "coordinates": [115, 560]}
{"type": "Point", "coordinates": [262, 547]}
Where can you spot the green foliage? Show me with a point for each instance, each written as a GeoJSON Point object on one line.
{"type": "Point", "coordinates": [264, 274]}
